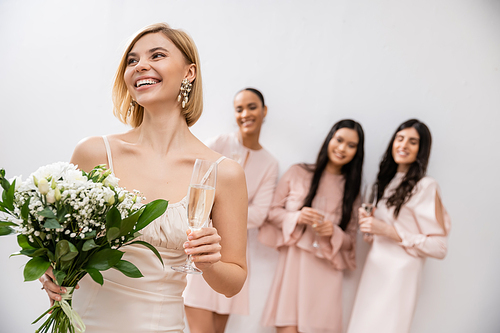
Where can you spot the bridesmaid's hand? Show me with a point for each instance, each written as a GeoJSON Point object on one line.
{"type": "Point", "coordinates": [363, 214]}
{"type": "Point", "coordinates": [368, 238]}
{"type": "Point", "coordinates": [372, 225]}
{"type": "Point", "coordinates": [204, 247]}
{"type": "Point", "coordinates": [309, 216]}
{"type": "Point", "coordinates": [324, 229]}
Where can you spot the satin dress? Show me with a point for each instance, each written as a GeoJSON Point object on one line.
{"type": "Point", "coordinates": [152, 303]}
{"type": "Point", "coordinates": [389, 287]}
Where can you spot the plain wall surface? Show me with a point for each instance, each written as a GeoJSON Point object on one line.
{"type": "Point", "coordinates": [378, 62]}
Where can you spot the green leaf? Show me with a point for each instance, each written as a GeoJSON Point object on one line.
{"type": "Point", "coordinates": [128, 269]}
{"type": "Point", "coordinates": [7, 224]}
{"type": "Point", "coordinates": [112, 233]}
{"type": "Point", "coordinates": [35, 268]}
{"type": "Point", "coordinates": [59, 275]}
{"type": "Point", "coordinates": [151, 247]}
{"type": "Point", "coordinates": [61, 214]}
{"type": "Point", "coordinates": [95, 275]}
{"type": "Point", "coordinates": [25, 209]}
{"type": "Point", "coordinates": [51, 256]}
{"type": "Point", "coordinates": [4, 231]}
{"type": "Point", "coordinates": [23, 242]}
{"type": "Point", "coordinates": [73, 252]}
{"type": "Point", "coordinates": [113, 218]}
{"type": "Point", "coordinates": [90, 235]}
{"type": "Point", "coordinates": [62, 248]}
{"type": "Point", "coordinates": [5, 184]}
{"type": "Point", "coordinates": [48, 213]}
{"type": "Point", "coordinates": [151, 212]}
{"type": "Point", "coordinates": [129, 222]}
{"type": "Point", "coordinates": [104, 259]}
{"type": "Point", "coordinates": [34, 252]}
{"type": "Point", "coordinates": [65, 251]}
{"type": "Point", "coordinates": [89, 245]}
{"type": "Point", "coordinates": [52, 224]}
{"type": "Point", "coordinates": [8, 196]}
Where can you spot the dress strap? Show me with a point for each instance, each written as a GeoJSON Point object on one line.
{"type": "Point", "coordinates": [220, 160]}
{"type": "Point", "coordinates": [108, 153]}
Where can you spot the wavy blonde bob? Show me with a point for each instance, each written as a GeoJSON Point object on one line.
{"type": "Point", "coordinates": [121, 95]}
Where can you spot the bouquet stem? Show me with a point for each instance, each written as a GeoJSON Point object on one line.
{"type": "Point", "coordinates": [63, 318]}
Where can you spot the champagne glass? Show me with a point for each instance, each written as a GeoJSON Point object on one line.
{"type": "Point", "coordinates": [319, 204]}
{"type": "Point", "coordinates": [369, 199]}
{"type": "Point", "coordinates": [201, 195]}
{"type": "Point", "coordinates": [238, 152]}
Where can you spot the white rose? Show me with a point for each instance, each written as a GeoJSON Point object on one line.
{"type": "Point", "coordinates": [111, 180]}
{"type": "Point", "coordinates": [43, 186]}
{"type": "Point", "coordinates": [109, 197]}
{"type": "Point", "coordinates": [51, 196]}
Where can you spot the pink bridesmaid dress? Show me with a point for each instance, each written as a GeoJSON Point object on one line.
{"type": "Point", "coordinates": [389, 285]}
{"type": "Point", "coordinates": [307, 286]}
{"type": "Point", "coordinates": [261, 171]}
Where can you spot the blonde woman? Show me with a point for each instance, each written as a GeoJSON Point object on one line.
{"type": "Point", "coordinates": [156, 157]}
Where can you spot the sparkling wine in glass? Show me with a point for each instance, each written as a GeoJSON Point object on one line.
{"type": "Point", "coordinates": [319, 204]}
{"type": "Point", "coordinates": [201, 195]}
{"type": "Point", "coordinates": [238, 151]}
{"type": "Point", "coordinates": [369, 199]}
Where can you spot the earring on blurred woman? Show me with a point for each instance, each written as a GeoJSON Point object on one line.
{"type": "Point", "coordinates": [185, 90]}
{"type": "Point", "coordinates": [131, 107]}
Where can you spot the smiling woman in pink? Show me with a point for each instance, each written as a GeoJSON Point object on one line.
{"type": "Point", "coordinates": [156, 157]}
{"type": "Point", "coordinates": [408, 225]}
{"type": "Point", "coordinates": [306, 294]}
{"type": "Point", "coordinates": [207, 310]}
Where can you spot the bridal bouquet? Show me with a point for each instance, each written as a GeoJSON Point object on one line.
{"type": "Point", "coordinates": [74, 222]}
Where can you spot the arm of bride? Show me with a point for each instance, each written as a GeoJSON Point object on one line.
{"type": "Point", "coordinates": [220, 252]}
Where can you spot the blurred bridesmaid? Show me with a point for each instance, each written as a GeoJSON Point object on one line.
{"type": "Point", "coordinates": [408, 225]}
{"type": "Point", "coordinates": [206, 310]}
{"type": "Point", "coordinates": [306, 294]}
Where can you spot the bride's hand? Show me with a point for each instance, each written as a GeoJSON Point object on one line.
{"type": "Point", "coordinates": [53, 290]}
{"type": "Point", "coordinates": [204, 247]}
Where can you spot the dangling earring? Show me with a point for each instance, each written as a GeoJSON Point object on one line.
{"type": "Point", "coordinates": [185, 90]}
{"type": "Point", "coordinates": [131, 107]}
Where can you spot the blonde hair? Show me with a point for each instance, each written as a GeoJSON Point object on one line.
{"type": "Point", "coordinates": [121, 95]}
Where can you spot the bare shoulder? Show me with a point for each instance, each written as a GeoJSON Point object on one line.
{"type": "Point", "coordinates": [230, 172]}
{"type": "Point", "coordinates": [89, 152]}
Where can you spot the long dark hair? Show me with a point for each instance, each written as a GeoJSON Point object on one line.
{"type": "Point", "coordinates": [417, 170]}
{"type": "Point", "coordinates": [351, 171]}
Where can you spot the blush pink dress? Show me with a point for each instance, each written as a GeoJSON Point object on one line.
{"type": "Point", "coordinates": [307, 286]}
{"type": "Point", "coordinates": [389, 285]}
{"type": "Point", "coordinates": [261, 171]}
{"type": "Point", "coordinates": [149, 304]}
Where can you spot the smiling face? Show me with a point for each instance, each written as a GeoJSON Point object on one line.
{"type": "Point", "coordinates": [249, 112]}
{"type": "Point", "coordinates": [342, 148]}
{"type": "Point", "coordinates": [155, 70]}
{"type": "Point", "coordinates": [405, 148]}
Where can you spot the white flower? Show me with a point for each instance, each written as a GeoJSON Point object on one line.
{"type": "Point", "coordinates": [43, 186]}
{"type": "Point", "coordinates": [111, 180]}
{"type": "Point", "coordinates": [51, 196]}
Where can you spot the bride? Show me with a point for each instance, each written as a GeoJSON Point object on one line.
{"type": "Point", "coordinates": [156, 157]}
